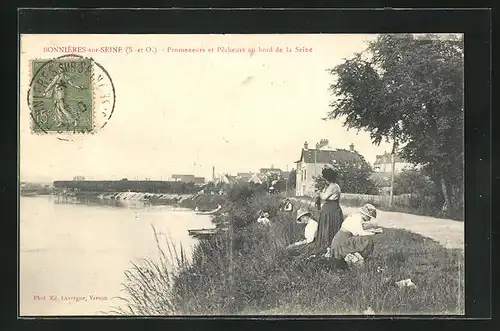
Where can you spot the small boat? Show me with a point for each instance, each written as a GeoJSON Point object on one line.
{"type": "Point", "coordinates": [211, 212]}
{"type": "Point", "coordinates": [205, 233]}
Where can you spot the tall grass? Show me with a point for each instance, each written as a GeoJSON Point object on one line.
{"type": "Point", "coordinates": [247, 271]}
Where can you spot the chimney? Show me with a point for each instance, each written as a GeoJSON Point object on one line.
{"type": "Point", "coordinates": [351, 147]}
{"type": "Point", "coordinates": [306, 145]}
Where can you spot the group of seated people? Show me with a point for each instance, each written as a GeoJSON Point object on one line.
{"type": "Point", "coordinates": [351, 243]}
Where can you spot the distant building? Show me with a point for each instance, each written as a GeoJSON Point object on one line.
{"type": "Point", "coordinates": [184, 178]}
{"type": "Point", "coordinates": [270, 171]}
{"type": "Point", "coordinates": [312, 162]}
{"type": "Point", "coordinates": [244, 176]}
{"type": "Point", "coordinates": [199, 180]}
{"type": "Point", "coordinates": [79, 178]}
{"type": "Point", "coordinates": [225, 179]}
{"type": "Point", "coordinates": [257, 179]}
{"type": "Point", "coordinates": [383, 163]}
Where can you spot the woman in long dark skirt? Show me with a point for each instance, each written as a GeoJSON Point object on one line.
{"type": "Point", "coordinates": [331, 215]}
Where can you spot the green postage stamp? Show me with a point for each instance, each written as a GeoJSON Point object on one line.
{"type": "Point", "coordinates": [69, 94]}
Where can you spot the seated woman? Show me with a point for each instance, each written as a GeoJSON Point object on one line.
{"type": "Point", "coordinates": [304, 217]}
{"type": "Point", "coordinates": [352, 243]}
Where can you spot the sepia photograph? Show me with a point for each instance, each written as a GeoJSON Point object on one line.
{"type": "Point", "coordinates": [241, 174]}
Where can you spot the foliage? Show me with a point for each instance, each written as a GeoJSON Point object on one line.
{"type": "Point", "coordinates": [292, 179]}
{"type": "Point", "coordinates": [410, 92]}
{"type": "Point", "coordinates": [214, 187]}
{"type": "Point", "coordinates": [276, 182]}
{"type": "Point", "coordinates": [415, 182]}
{"type": "Point", "coordinates": [354, 176]}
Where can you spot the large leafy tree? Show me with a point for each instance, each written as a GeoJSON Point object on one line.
{"type": "Point", "coordinates": [353, 176]}
{"type": "Point", "coordinates": [414, 182]}
{"type": "Point", "coordinates": [410, 92]}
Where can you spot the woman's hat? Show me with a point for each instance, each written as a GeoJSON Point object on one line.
{"type": "Point", "coordinates": [369, 210]}
{"type": "Point", "coordinates": [301, 212]}
{"type": "Point", "coordinates": [329, 174]}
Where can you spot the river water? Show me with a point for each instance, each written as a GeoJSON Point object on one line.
{"type": "Point", "coordinates": [70, 250]}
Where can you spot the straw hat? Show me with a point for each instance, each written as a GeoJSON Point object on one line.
{"type": "Point", "coordinates": [301, 212]}
{"type": "Point", "coordinates": [368, 210]}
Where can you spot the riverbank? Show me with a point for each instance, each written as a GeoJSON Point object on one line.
{"type": "Point", "coordinates": [191, 201]}
{"type": "Point", "coordinates": [247, 271]}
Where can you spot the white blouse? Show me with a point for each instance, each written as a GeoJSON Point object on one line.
{"type": "Point", "coordinates": [354, 224]}
{"type": "Point", "coordinates": [331, 192]}
{"type": "Point", "coordinates": [310, 231]}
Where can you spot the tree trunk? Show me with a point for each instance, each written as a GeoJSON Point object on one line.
{"type": "Point", "coordinates": [447, 206]}
{"type": "Point", "coordinates": [391, 194]}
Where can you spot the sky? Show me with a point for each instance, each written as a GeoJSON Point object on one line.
{"type": "Point", "coordinates": [184, 113]}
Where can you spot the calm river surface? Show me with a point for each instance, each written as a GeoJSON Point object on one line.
{"type": "Point", "coordinates": [72, 250]}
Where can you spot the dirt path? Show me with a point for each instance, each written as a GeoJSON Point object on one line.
{"type": "Point", "coordinates": [447, 232]}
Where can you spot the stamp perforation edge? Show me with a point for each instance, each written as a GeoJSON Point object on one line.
{"type": "Point", "coordinates": [93, 101]}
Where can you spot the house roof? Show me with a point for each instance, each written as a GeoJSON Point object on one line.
{"type": "Point", "coordinates": [386, 158]}
{"type": "Point", "coordinates": [257, 179]}
{"type": "Point", "coordinates": [327, 156]}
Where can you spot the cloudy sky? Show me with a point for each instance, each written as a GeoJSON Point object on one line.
{"type": "Point", "coordinates": [187, 112]}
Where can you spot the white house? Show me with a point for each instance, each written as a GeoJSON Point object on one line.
{"type": "Point", "coordinates": [383, 163]}
{"type": "Point", "coordinates": [312, 162]}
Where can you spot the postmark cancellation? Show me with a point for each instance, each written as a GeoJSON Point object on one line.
{"type": "Point", "coordinates": [69, 94]}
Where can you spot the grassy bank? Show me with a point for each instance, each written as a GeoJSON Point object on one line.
{"type": "Point", "coordinates": [247, 271]}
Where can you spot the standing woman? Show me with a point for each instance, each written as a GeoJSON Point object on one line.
{"type": "Point", "coordinates": [331, 216]}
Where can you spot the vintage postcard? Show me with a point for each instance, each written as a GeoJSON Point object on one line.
{"type": "Point", "coordinates": [284, 174]}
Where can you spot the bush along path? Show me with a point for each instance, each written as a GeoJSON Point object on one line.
{"type": "Point", "coordinates": [247, 271]}
{"type": "Point", "coordinates": [446, 232]}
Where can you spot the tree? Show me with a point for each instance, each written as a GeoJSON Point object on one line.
{"type": "Point", "coordinates": [275, 181]}
{"type": "Point", "coordinates": [409, 92]}
{"type": "Point", "coordinates": [292, 179]}
{"type": "Point", "coordinates": [353, 176]}
{"type": "Point", "coordinates": [415, 182]}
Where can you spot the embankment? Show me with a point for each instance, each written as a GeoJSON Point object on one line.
{"type": "Point", "coordinates": [191, 201]}
{"type": "Point", "coordinates": [248, 271]}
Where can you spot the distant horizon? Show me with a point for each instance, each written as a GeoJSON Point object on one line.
{"type": "Point", "coordinates": [44, 179]}
{"type": "Point", "coordinates": [187, 112]}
